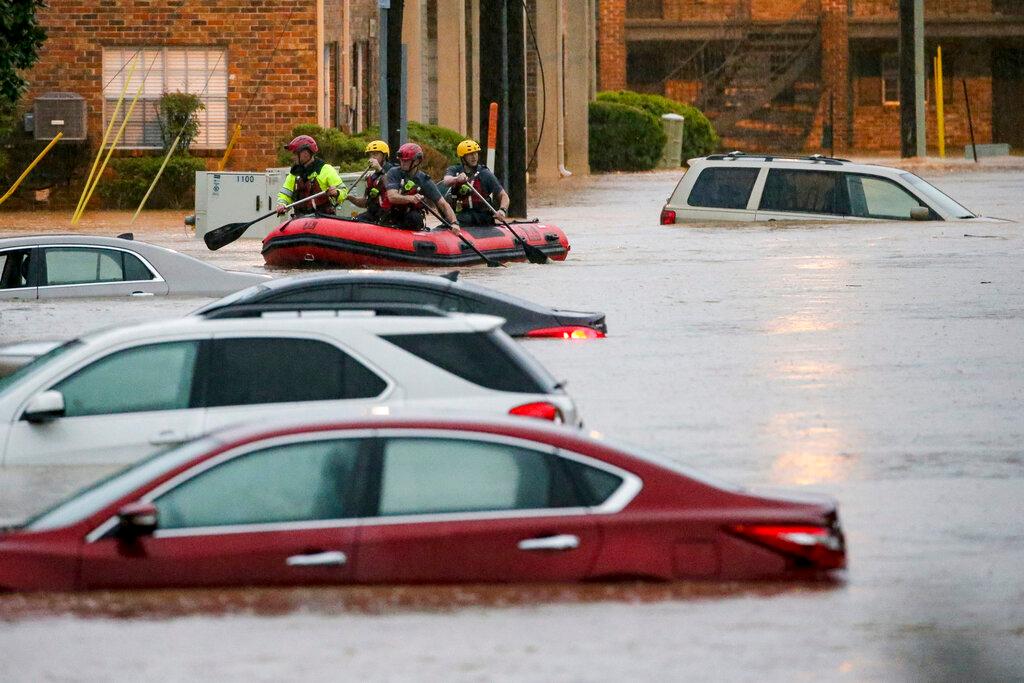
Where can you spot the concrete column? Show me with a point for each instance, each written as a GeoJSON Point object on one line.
{"type": "Point", "coordinates": [451, 65]}
{"type": "Point", "coordinates": [549, 27]}
{"type": "Point", "coordinates": [578, 68]}
{"type": "Point", "coordinates": [413, 36]}
{"type": "Point", "coordinates": [835, 61]}
{"type": "Point", "coordinates": [321, 71]}
{"type": "Point", "coordinates": [611, 48]}
{"type": "Point", "coordinates": [344, 79]}
{"type": "Point", "coordinates": [474, 76]}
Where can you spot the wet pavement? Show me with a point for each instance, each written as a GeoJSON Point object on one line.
{"type": "Point", "coordinates": [878, 362]}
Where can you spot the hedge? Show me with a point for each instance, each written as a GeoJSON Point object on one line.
{"type": "Point", "coordinates": [699, 136]}
{"type": "Point", "coordinates": [623, 138]}
{"type": "Point", "coordinates": [128, 178]}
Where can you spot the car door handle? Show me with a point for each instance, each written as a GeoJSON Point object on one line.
{"type": "Point", "coordinates": [168, 437]}
{"type": "Point", "coordinates": [330, 558]}
{"type": "Point", "coordinates": [560, 542]}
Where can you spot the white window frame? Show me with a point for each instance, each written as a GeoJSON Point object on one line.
{"type": "Point", "coordinates": [198, 62]}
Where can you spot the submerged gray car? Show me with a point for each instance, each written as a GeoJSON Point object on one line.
{"type": "Point", "coordinates": [60, 266]}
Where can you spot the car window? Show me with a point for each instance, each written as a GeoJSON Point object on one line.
{"type": "Point", "coordinates": [434, 476]}
{"type": "Point", "coordinates": [310, 295]}
{"type": "Point", "coordinates": [596, 485]}
{"type": "Point", "coordinates": [83, 265]}
{"type": "Point", "coordinates": [937, 196]}
{"type": "Point", "coordinates": [144, 378]}
{"type": "Point", "coordinates": [254, 370]}
{"type": "Point", "coordinates": [398, 294]}
{"type": "Point", "coordinates": [14, 268]}
{"type": "Point", "coordinates": [289, 483]}
{"type": "Point", "coordinates": [802, 192]}
{"type": "Point", "coordinates": [723, 188]}
{"type": "Point", "coordinates": [878, 198]}
{"type": "Point", "coordinates": [474, 356]}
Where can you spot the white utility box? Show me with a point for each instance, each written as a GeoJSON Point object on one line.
{"type": "Point", "coordinates": [224, 197]}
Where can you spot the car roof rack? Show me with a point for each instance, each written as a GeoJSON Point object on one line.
{"type": "Point", "coordinates": [818, 158]}
{"type": "Point", "coordinates": [340, 309]}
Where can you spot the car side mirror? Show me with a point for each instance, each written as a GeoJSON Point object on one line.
{"type": "Point", "coordinates": [920, 213]}
{"type": "Point", "coordinates": [45, 406]}
{"type": "Point", "coordinates": [137, 519]}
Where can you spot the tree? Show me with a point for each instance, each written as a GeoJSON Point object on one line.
{"type": "Point", "coordinates": [179, 114]}
{"type": "Point", "coordinates": [20, 39]}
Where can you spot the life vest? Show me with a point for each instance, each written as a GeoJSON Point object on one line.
{"type": "Point", "coordinates": [409, 187]}
{"type": "Point", "coordinates": [375, 188]}
{"type": "Point", "coordinates": [464, 198]}
{"type": "Point", "coordinates": [306, 184]}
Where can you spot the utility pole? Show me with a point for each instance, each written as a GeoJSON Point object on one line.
{"type": "Point", "coordinates": [391, 72]}
{"type": "Point", "coordinates": [911, 77]}
{"type": "Point", "coordinates": [516, 184]}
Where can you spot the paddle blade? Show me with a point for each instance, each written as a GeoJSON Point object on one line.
{"type": "Point", "coordinates": [534, 255]}
{"type": "Point", "coordinates": [224, 235]}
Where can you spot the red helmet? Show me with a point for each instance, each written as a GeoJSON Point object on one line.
{"type": "Point", "coordinates": [302, 142]}
{"type": "Point", "coordinates": [410, 151]}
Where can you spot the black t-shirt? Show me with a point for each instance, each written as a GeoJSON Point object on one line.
{"type": "Point", "coordinates": [396, 178]}
{"type": "Point", "coordinates": [488, 181]}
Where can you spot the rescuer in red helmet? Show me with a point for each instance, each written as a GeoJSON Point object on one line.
{"type": "Point", "coordinates": [309, 176]}
{"type": "Point", "coordinates": [407, 188]}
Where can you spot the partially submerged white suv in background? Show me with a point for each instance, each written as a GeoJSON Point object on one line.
{"type": "Point", "coordinates": [753, 187]}
{"type": "Point", "coordinates": [118, 395]}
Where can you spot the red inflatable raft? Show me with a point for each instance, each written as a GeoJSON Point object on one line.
{"type": "Point", "coordinates": [325, 241]}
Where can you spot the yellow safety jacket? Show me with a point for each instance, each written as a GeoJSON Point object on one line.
{"type": "Point", "coordinates": [304, 181]}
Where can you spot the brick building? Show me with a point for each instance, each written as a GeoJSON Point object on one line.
{"type": "Point", "coordinates": [268, 65]}
{"type": "Point", "coordinates": [771, 72]}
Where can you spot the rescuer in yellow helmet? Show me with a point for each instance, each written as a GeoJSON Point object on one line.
{"type": "Point", "coordinates": [377, 152]}
{"type": "Point", "coordinates": [469, 208]}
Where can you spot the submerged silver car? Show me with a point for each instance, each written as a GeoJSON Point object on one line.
{"type": "Point", "coordinates": [59, 266]}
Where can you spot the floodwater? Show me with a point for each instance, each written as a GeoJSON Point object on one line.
{"type": "Point", "coordinates": [881, 363]}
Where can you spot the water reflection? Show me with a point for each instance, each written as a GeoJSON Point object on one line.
{"type": "Point", "coordinates": [811, 451]}
{"type": "Point", "coordinates": [804, 321]}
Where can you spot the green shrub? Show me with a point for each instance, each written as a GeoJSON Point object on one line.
{"type": "Point", "coordinates": [699, 136]}
{"type": "Point", "coordinates": [623, 138]}
{"type": "Point", "coordinates": [127, 179]}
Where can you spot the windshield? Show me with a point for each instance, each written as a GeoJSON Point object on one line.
{"type": "Point", "coordinates": [937, 197]}
{"type": "Point", "coordinates": [99, 495]}
{"type": "Point", "coordinates": [36, 364]}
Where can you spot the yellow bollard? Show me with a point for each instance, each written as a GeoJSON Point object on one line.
{"type": "Point", "coordinates": [113, 145]}
{"type": "Point", "coordinates": [31, 166]}
{"type": "Point", "coordinates": [103, 143]}
{"type": "Point", "coordinates": [231, 144]}
{"type": "Point", "coordinates": [939, 108]}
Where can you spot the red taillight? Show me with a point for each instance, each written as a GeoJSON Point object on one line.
{"type": "Point", "coordinates": [567, 332]}
{"type": "Point", "coordinates": [541, 410]}
{"type": "Point", "coordinates": [821, 546]}
{"type": "Point", "coordinates": [668, 217]}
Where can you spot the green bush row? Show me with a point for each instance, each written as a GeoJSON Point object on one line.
{"type": "Point", "coordinates": [130, 177]}
{"type": "Point", "coordinates": [623, 138]}
{"type": "Point", "coordinates": [699, 136]}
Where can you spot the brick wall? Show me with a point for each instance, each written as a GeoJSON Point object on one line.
{"type": "Point", "coordinates": [887, 8]}
{"type": "Point", "coordinates": [611, 51]}
{"type": "Point", "coordinates": [267, 83]}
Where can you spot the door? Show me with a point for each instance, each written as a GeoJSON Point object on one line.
{"type": "Point", "coordinates": [118, 409]}
{"type": "Point", "coordinates": [792, 194]}
{"type": "Point", "coordinates": [258, 378]}
{"type": "Point", "coordinates": [278, 515]}
{"type": "Point", "coordinates": [718, 194]}
{"type": "Point", "coordinates": [17, 276]}
{"type": "Point", "coordinates": [79, 271]}
{"type": "Point", "coordinates": [452, 509]}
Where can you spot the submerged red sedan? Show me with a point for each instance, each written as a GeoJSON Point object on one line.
{"type": "Point", "coordinates": [404, 500]}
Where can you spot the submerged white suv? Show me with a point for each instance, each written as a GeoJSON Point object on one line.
{"type": "Point", "coordinates": [118, 395]}
{"type": "Point", "coordinates": [751, 187]}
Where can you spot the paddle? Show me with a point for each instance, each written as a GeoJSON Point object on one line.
{"type": "Point", "coordinates": [489, 262]}
{"type": "Point", "coordinates": [533, 254]}
{"type": "Point", "coordinates": [226, 234]}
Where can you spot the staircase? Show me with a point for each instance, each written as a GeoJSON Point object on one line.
{"type": "Point", "coordinates": [765, 90]}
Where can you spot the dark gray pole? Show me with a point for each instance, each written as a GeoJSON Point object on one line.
{"type": "Point", "coordinates": [908, 110]}
{"type": "Point", "coordinates": [394, 84]}
{"type": "Point", "coordinates": [516, 186]}
{"type": "Point", "coordinates": [503, 103]}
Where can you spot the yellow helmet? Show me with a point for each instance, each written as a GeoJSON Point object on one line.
{"type": "Point", "coordinates": [378, 146]}
{"type": "Point", "coordinates": [467, 147]}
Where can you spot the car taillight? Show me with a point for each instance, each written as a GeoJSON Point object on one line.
{"type": "Point", "coordinates": [668, 217]}
{"type": "Point", "coordinates": [567, 332]}
{"type": "Point", "coordinates": [541, 410]}
{"type": "Point", "coordinates": [822, 547]}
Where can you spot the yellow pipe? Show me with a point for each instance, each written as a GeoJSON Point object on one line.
{"type": "Point", "coordinates": [113, 145]}
{"type": "Point", "coordinates": [231, 144]}
{"type": "Point", "coordinates": [167, 158]}
{"type": "Point", "coordinates": [31, 166]}
{"type": "Point", "coordinates": [106, 135]}
{"type": "Point", "coordinates": [940, 113]}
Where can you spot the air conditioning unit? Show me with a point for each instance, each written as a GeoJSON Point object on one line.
{"type": "Point", "coordinates": [56, 112]}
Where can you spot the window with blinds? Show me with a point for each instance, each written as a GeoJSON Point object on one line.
{"type": "Point", "coordinates": [200, 71]}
